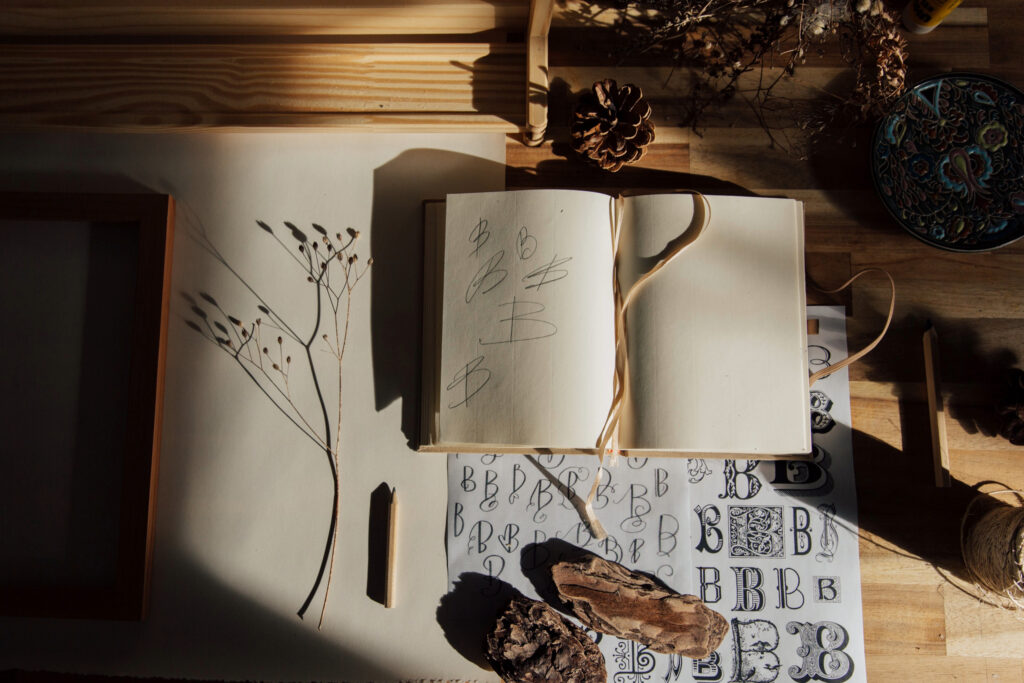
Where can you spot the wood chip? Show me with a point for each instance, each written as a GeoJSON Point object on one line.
{"type": "Point", "coordinates": [611, 599]}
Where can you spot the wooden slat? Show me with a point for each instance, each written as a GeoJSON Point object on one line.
{"type": "Point", "coordinates": [943, 669]}
{"type": "Point", "coordinates": [69, 18]}
{"type": "Point", "coordinates": [261, 84]}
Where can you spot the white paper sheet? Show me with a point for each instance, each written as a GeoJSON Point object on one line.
{"type": "Point", "coordinates": [244, 500]}
{"type": "Point", "coordinates": [770, 545]}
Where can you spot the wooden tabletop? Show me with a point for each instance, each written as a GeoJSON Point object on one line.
{"type": "Point", "coordinates": [919, 625]}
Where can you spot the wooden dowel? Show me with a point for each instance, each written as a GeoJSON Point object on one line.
{"type": "Point", "coordinates": [936, 410]}
{"type": "Point", "coordinates": [389, 589]}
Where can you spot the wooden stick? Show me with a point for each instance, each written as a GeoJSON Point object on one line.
{"type": "Point", "coordinates": [936, 410]}
{"type": "Point", "coordinates": [389, 566]}
{"type": "Point", "coordinates": [538, 25]}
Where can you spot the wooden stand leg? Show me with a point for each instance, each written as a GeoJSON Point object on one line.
{"type": "Point", "coordinates": [537, 72]}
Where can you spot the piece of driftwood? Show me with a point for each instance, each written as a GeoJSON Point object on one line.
{"type": "Point", "coordinates": [532, 643]}
{"type": "Point", "coordinates": [611, 599]}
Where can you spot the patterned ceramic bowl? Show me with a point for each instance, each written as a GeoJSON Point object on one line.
{"type": "Point", "coordinates": [948, 162]}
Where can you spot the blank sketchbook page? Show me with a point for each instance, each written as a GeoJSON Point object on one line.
{"type": "Point", "coordinates": [718, 338]}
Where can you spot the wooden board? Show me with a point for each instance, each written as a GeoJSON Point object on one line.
{"type": "Point", "coordinates": [431, 65]}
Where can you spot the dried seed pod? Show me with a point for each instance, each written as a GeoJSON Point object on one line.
{"type": "Point", "coordinates": [609, 598]}
{"type": "Point", "coordinates": [611, 126]}
{"type": "Point", "coordinates": [532, 643]}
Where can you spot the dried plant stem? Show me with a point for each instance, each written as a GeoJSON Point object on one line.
{"type": "Point", "coordinates": [248, 353]}
{"type": "Point", "coordinates": [341, 344]}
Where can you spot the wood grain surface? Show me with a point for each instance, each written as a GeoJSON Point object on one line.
{"type": "Point", "coordinates": [246, 63]}
{"type": "Point", "coordinates": [919, 623]}
{"type": "Point", "coordinates": [428, 65]}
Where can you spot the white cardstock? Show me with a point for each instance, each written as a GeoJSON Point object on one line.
{"type": "Point", "coordinates": [244, 500]}
{"type": "Point", "coordinates": [772, 546]}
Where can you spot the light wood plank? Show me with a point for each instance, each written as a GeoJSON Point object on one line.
{"type": "Point", "coordinates": [901, 668]}
{"type": "Point", "coordinates": [891, 628]}
{"type": "Point", "coordinates": [982, 281]}
{"type": "Point", "coordinates": [226, 84]}
{"type": "Point", "coordinates": [29, 18]}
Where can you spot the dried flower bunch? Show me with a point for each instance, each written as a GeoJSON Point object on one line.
{"type": "Point", "coordinates": [725, 40]}
{"type": "Point", "coordinates": [611, 125]}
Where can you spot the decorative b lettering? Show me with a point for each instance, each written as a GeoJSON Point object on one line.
{"type": "Point", "coordinates": [611, 549]}
{"type": "Point", "coordinates": [635, 546]}
{"type": "Point", "coordinates": [478, 537]}
{"type": "Point", "coordinates": [821, 647]}
{"type": "Point", "coordinates": [458, 523]}
{"type": "Point", "coordinates": [518, 481]}
{"type": "Point", "coordinates": [540, 498]}
{"type": "Point", "coordinates": [749, 596]}
{"type": "Point", "coordinates": [509, 540]}
{"type": "Point", "coordinates": [801, 531]}
{"type": "Point", "coordinates": [754, 658]}
{"type": "Point", "coordinates": [709, 669]}
{"type": "Point", "coordinates": [467, 479]}
{"type": "Point", "coordinates": [710, 589]}
{"type": "Point", "coordinates": [802, 477]}
{"type": "Point", "coordinates": [827, 589]}
{"type": "Point", "coordinates": [660, 482]}
{"type": "Point", "coordinates": [788, 581]}
{"type": "Point", "coordinates": [490, 500]}
{"type": "Point", "coordinates": [711, 539]}
{"type": "Point", "coordinates": [740, 483]}
{"type": "Point", "coordinates": [668, 527]}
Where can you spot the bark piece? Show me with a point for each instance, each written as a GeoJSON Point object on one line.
{"type": "Point", "coordinates": [532, 643]}
{"type": "Point", "coordinates": [611, 599]}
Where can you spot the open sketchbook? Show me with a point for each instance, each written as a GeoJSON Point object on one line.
{"type": "Point", "coordinates": [519, 324]}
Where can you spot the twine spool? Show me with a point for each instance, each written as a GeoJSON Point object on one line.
{"type": "Point", "coordinates": [992, 544]}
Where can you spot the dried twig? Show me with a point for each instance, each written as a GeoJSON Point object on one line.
{"type": "Point", "coordinates": [333, 271]}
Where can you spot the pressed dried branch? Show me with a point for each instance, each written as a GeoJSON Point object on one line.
{"type": "Point", "coordinates": [275, 384]}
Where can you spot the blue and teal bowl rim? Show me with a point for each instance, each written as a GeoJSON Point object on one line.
{"type": "Point", "coordinates": [986, 166]}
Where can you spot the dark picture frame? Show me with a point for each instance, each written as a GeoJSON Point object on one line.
{"type": "Point", "coordinates": [146, 221]}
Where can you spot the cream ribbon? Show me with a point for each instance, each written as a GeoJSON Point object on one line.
{"type": "Point", "coordinates": [608, 442]}
{"type": "Point", "coordinates": [825, 372]}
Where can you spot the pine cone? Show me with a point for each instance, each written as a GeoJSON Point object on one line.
{"type": "Point", "coordinates": [1011, 408]}
{"type": "Point", "coordinates": [532, 643]}
{"type": "Point", "coordinates": [611, 125]}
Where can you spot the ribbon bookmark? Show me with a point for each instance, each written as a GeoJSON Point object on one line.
{"type": "Point", "coordinates": [608, 442]}
{"type": "Point", "coordinates": [853, 357]}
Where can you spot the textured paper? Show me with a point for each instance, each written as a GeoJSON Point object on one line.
{"type": "Point", "coordinates": [770, 545]}
{"type": "Point", "coordinates": [528, 350]}
{"type": "Point", "coordinates": [244, 500]}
